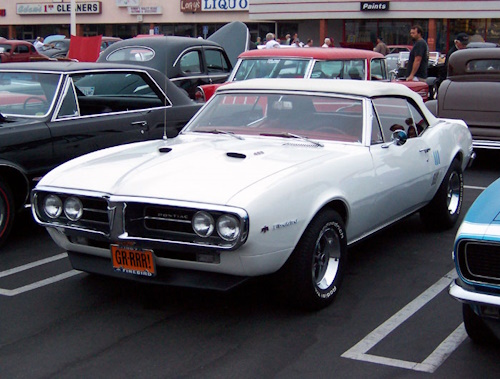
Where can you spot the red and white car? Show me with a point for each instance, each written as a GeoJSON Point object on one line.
{"type": "Point", "coordinates": [336, 63]}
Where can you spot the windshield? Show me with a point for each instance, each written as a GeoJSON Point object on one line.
{"type": "Point", "coordinates": [27, 93]}
{"type": "Point", "coordinates": [282, 115]}
{"type": "Point", "coordinates": [271, 68]}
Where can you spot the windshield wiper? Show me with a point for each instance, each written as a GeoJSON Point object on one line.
{"type": "Point", "coordinates": [291, 135]}
{"type": "Point", "coordinates": [218, 131]}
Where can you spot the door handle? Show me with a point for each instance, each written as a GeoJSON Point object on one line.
{"type": "Point", "coordinates": [143, 124]}
{"type": "Point", "coordinates": [425, 150]}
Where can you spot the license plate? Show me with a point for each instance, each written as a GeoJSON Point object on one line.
{"type": "Point", "coordinates": [133, 261]}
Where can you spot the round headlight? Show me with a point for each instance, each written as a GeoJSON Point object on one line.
{"type": "Point", "coordinates": [73, 208]}
{"type": "Point", "coordinates": [228, 227]}
{"type": "Point", "coordinates": [203, 224]}
{"type": "Point", "coordinates": [52, 206]}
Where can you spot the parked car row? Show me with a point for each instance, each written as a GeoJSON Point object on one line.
{"type": "Point", "coordinates": [148, 207]}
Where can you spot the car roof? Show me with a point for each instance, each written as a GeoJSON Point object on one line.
{"type": "Point", "coordinates": [336, 53]}
{"type": "Point", "coordinates": [458, 60]}
{"type": "Point", "coordinates": [67, 66]}
{"type": "Point", "coordinates": [159, 42]}
{"type": "Point", "coordinates": [344, 87]}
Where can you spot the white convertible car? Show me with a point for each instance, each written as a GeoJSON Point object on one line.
{"type": "Point", "coordinates": [271, 176]}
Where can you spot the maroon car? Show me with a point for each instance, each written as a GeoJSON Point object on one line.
{"type": "Point", "coordinates": [12, 50]}
{"type": "Point", "coordinates": [337, 63]}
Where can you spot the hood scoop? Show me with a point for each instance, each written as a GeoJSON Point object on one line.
{"type": "Point", "coordinates": [236, 155]}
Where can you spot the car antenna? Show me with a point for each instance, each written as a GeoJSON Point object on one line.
{"type": "Point", "coordinates": [165, 149]}
{"type": "Point", "coordinates": [165, 109]}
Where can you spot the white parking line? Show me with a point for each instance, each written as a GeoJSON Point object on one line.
{"type": "Point", "coordinates": [41, 283]}
{"type": "Point", "coordinates": [435, 359]}
{"type": "Point", "coordinates": [475, 187]}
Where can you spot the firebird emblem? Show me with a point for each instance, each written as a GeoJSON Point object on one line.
{"type": "Point", "coordinates": [265, 229]}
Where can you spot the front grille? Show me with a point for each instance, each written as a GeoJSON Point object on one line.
{"type": "Point", "coordinates": [170, 223]}
{"type": "Point", "coordinates": [479, 261]}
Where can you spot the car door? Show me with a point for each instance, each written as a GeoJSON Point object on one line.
{"type": "Point", "coordinates": [103, 109]}
{"type": "Point", "coordinates": [217, 65]}
{"type": "Point", "coordinates": [404, 171]}
{"type": "Point", "coordinates": [191, 71]}
{"type": "Point", "coordinates": [21, 54]}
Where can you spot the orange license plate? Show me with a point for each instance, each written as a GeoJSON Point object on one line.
{"type": "Point", "coordinates": [133, 261]}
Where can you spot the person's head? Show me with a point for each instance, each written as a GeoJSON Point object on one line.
{"type": "Point", "coordinates": [328, 41]}
{"type": "Point", "coordinates": [379, 39]}
{"type": "Point", "coordinates": [416, 32]}
{"type": "Point", "coordinates": [287, 36]}
{"type": "Point", "coordinates": [296, 41]}
{"type": "Point", "coordinates": [269, 36]}
{"type": "Point", "coordinates": [461, 40]}
{"type": "Point", "coordinates": [310, 42]}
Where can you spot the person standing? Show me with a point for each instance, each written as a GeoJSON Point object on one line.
{"type": "Point", "coordinates": [460, 42]}
{"type": "Point", "coordinates": [419, 56]}
{"type": "Point", "coordinates": [309, 43]}
{"type": "Point", "coordinates": [381, 47]}
{"type": "Point", "coordinates": [271, 43]}
{"type": "Point", "coordinates": [328, 42]}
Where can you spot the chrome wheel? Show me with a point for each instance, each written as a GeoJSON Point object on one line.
{"type": "Point", "coordinates": [326, 258]}
{"type": "Point", "coordinates": [454, 193]}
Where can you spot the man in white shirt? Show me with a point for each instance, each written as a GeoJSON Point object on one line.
{"type": "Point", "coordinates": [271, 43]}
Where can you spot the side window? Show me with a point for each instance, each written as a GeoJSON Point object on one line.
{"type": "Point", "coordinates": [190, 62]}
{"type": "Point", "coordinates": [21, 49]}
{"type": "Point", "coordinates": [394, 114]}
{"type": "Point", "coordinates": [216, 61]}
{"type": "Point", "coordinates": [378, 69]}
{"type": "Point", "coordinates": [69, 105]}
{"type": "Point", "coordinates": [377, 136]}
{"type": "Point", "coordinates": [418, 119]}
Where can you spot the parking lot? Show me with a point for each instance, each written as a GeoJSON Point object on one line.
{"type": "Point", "coordinates": [392, 318]}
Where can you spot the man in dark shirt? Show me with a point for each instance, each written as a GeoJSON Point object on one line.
{"type": "Point", "coordinates": [460, 42]}
{"type": "Point", "coordinates": [419, 56]}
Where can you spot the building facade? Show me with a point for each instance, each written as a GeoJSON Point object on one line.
{"type": "Point", "coordinates": [348, 22]}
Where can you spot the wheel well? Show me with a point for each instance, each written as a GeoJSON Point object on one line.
{"type": "Point", "coordinates": [340, 207]}
{"type": "Point", "coordinates": [18, 184]}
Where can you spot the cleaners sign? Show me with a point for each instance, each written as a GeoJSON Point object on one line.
{"type": "Point", "coordinates": [86, 7]}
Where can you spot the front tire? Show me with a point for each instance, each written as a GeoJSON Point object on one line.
{"type": "Point", "coordinates": [6, 211]}
{"type": "Point", "coordinates": [475, 326]}
{"type": "Point", "coordinates": [444, 209]}
{"type": "Point", "coordinates": [315, 269]}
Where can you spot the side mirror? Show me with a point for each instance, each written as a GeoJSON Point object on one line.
{"type": "Point", "coordinates": [399, 137]}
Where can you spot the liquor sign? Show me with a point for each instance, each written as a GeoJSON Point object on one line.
{"type": "Point", "coordinates": [191, 6]}
{"type": "Point", "coordinates": [224, 5]}
{"type": "Point", "coordinates": [86, 7]}
{"type": "Point", "coordinates": [374, 5]}
{"type": "Point", "coordinates": [145, 10]}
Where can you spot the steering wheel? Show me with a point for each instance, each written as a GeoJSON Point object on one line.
{"type": "Point", "coordinates": [36, 100]}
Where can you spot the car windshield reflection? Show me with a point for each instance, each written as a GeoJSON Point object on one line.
{"type": "Point", "coordinates": [277, 115]}
{"type": "Point", "coordinates": [27, 94]}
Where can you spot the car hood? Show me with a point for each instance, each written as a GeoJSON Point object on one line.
{"type": "Point", "coordinates": [191, 168]}
{"type": "Point", "coordinates": [234, 38]}
{"type": "Point", "coordinates": [482, 220]}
